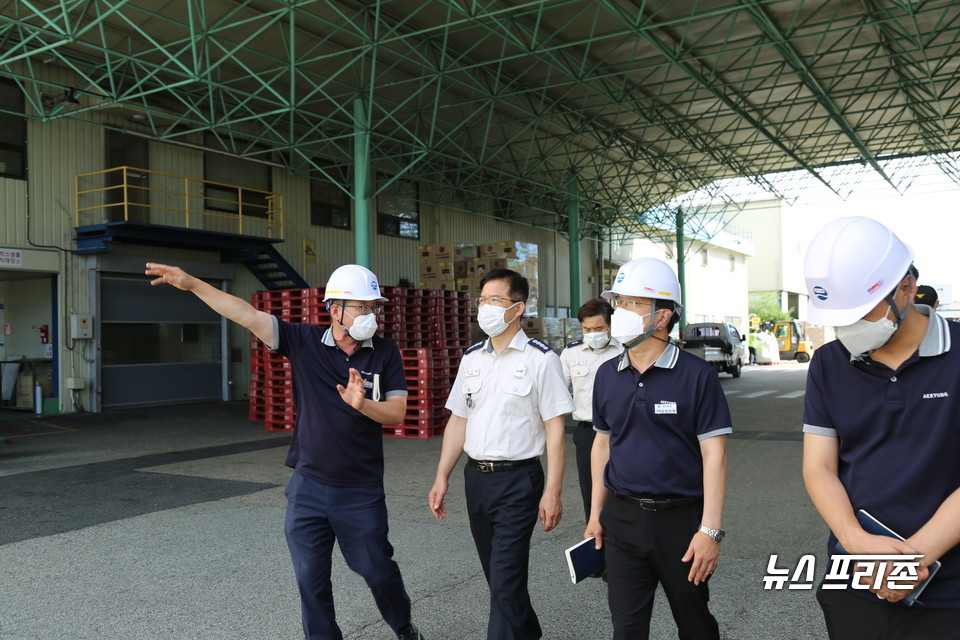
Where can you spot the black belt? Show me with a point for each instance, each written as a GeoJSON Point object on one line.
{"type": "Point", "coordinates": [658, 504]}
{"type": "Point", "coordinates": [488, 466]}
{"type": "Point", "coordinates": [585, 424]}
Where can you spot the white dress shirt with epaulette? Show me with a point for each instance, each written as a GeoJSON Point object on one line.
{"type": "Point", "coordinates": [506, 398]}
{"type": "Point", "coordinates": [580, 364]}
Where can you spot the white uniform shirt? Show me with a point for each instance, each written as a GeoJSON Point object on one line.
{"type": "Point", "coordinates": [580, 364]}
{"type": "Point", "coordinates": [506, 398]}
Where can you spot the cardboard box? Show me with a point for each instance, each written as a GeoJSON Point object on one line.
{"type": "Point", "coordinates": [461, 268]}
{"type": "Point", "coordinates": [479, 266]}
{"type": "Point", "coordinates": [442, 251]}
{"type": "Point", "coordinates": [498, 250]}
{"type": "Point", "coordinates": [533, 327]}
{"type": "Point", "coordinates": [465, 285]}
{"type": "Point", "coordinates": [465, 252]}
{"type": "Point", "coordinates": [440, 280]}
{"type": "Point", "coordinates": [474, 283]}
{"type": "Point", "coordinates": [431, 268]}
{"type": "Point", "coordinates": [25, 392]}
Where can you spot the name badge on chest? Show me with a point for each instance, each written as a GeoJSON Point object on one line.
{"type": "Point", "coordinates": [665, 406]}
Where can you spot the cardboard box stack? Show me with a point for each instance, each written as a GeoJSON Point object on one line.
{"type": "Point", "coordinates": [431, 328]}
{"type": "Point", "coordinates": [461, 266]}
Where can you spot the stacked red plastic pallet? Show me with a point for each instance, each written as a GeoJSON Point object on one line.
{"type": "Point", "coordinates": [271, 384]}
{"type": "Point", "coordinates": [431, 327]}
{"type": "Point", "coordinates": [429, 374]}
{"type": "Point", "coordinates": [426, 318]}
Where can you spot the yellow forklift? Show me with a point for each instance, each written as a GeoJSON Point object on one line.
{"type": "Point", "coordinates": [792, 342]}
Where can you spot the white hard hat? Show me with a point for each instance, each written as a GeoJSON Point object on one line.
{"type": "Point", "coordinates": [645, 278]}
{"type": "Point", "coordinates": [851, 265]}
{"type": "Point", "coordinates": [352, 282]}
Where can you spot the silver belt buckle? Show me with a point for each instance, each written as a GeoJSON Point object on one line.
{"type": "Point", "coordinates": [648, 504]}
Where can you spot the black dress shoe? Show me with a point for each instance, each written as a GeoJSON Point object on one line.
{"type": "Point", "coordinates": [410, 632]}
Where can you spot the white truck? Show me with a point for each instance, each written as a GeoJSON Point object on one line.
{"type": "Point", "coordinates": [719, 343]}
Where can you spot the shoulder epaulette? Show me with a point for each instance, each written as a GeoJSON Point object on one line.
{"type": "Point", "coordinates": [542, 346]}
{"type": "Point", "coordinates": [574, 343]}
{"type": "Point", "coordinates": [474, 347]}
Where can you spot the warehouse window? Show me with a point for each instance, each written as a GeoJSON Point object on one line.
{"type": "Point", "coordinates": [329, 204]}
{"type": "Point", "coordinates": [252, 178]}
{"type": "Point", "coordinates": [398, 208]}
{"type": "Point", "coordinates": [13, 132]}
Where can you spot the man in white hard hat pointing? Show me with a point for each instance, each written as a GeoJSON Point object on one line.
{"type": "Point", "coordinates": [658, 461]}
{"type": "Point", "coordinates": [347, 382]}
{"type": "Point", "coordinates": [882, 434]}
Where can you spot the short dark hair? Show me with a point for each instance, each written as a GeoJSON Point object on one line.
{"type": "Point", "coordinates": [519, 286]}
{"type": "Point", "coordinates": [669, 305]}
{"type": "Point", "coordinates": [595, 307]}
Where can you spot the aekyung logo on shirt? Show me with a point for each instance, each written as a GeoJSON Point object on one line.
{"type": "Point", "coordinates": [665, 406]}
{"type": "Point", "coordinates": [940, 394]}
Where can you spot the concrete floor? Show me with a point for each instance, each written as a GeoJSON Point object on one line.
{"type": "Point", "coordinates": [166, 523]}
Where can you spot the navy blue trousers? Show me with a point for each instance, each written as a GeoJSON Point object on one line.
{"type": "Point", "coordinates": [356, 518]}
{"type": "Point", "coordinates": [503, 507]}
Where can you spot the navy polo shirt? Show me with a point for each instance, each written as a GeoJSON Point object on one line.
{"type": "Point", "coordinates": [656, 421]}
{"type": "Point", "coordinates": [333, 443]}
{"type": "Point", "coordinates": [899, 436]}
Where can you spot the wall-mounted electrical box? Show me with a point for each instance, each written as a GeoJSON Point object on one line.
{"type": "Point", "coordinates": [81, 326]}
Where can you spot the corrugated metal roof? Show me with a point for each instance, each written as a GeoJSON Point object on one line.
{"type": "Point", "coordinates": [498, 101]}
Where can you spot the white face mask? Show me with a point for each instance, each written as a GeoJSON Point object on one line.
{"type": "Point", "coordinates": [627, 326]}
{"type": "Point", "coordinates": [596, 339]}
{"type": "Point", "coordinates": [863, 336]}
{"type": "Point", "coordinates": [491, 319]}
{"type": "Point", "coordinates": [364, 327]}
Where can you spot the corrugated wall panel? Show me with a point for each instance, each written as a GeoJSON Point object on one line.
{"type": "Point", "coordinates": [13, 208]}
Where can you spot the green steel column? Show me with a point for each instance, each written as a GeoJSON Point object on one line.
{"type": "Point", "coordinates": [681, 275]}
{"type": "Point", "coordinates": [573, 222]}
{"type": "Point", "coordinates": [361, 183]}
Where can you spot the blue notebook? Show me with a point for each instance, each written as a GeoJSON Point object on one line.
{"type": "Point", "coordinates": [877, 528]}
{"type": "Point", "coordinates": [584, 560]}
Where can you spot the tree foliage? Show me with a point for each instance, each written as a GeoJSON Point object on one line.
{"type": "Point", "coordinates": [766, 305]}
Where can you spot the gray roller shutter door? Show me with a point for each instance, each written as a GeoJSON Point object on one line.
{"type": "Point", "coordinates": [159, 345]}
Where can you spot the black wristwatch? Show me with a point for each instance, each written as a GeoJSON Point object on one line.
{"type": "Point", "coordinates": [716, 534]}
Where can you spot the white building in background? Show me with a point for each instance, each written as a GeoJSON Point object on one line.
{"type": "Point", "coordinates": [715, 273]}
{"type": "Point", "coordinates": [776, 264]}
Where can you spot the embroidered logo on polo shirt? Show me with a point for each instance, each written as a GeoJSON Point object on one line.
{"type": "Point", "coordinates": [940, 394]}
{"type": "Point", "coordinates": [665, 406]}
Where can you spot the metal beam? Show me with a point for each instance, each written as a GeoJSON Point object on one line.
{"type": "Point", "coordinates": [773, 33]}
{"type": "Point", "coordinates": [573, 231]}
{"type": "Point", "coordinates": [361, 184]}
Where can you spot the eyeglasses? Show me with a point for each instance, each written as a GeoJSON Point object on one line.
{"type": "Point", "coordinates": [494, 300]}
{"type": "Point", "coordinates": [631, 305]}
{"type": "Point", "coordinates": [365, 309]}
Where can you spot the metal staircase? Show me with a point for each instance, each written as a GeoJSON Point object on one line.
{"type": "Point", "coordinates": [258, 254]}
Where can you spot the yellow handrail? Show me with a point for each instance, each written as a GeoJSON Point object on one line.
{"type": "Point", "coordinates": [116, 188]}
{"type": "Point", "coordinates": [115, 194]}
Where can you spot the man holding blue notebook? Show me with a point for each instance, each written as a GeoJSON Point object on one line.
{"type": "Point", "coordinates": [882, 433]}
{"type": "Point", "coordinates": [659, 461]}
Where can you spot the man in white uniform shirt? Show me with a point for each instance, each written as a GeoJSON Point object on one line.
{"type": "Point", "coordinates": [580, 361]}
{"type": "Point", "coordinates": [508, 402]}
